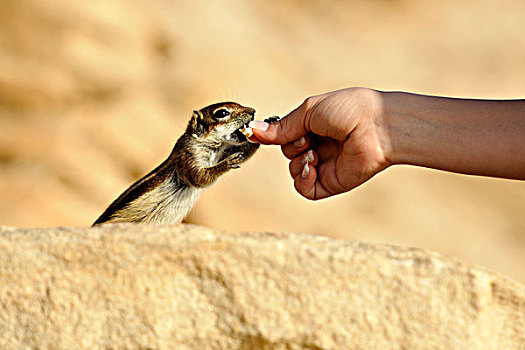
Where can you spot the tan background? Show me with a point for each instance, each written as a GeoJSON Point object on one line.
{"type": "Point", "coordinates": [94, 94]}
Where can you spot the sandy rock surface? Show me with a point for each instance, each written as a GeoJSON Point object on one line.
{"type": "Point", "coordinates": [93, 95]}
{"type": "Point", "coordinates": [189, 287]}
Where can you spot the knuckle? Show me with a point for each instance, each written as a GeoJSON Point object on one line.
{"type": "Point", "coordinates": [308, 102]}
{"type": "Point", "coordinates": [287, 152]}
{"type": "Point", "coordinates": [291, 168]}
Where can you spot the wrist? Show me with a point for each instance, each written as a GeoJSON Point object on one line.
{"type": "Point", "coordinates": [386, 121]}
{"type": "Point", "coordinates": [407, 135]}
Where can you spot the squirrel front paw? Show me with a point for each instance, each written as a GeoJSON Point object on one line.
{"type": "Point", "coordinates": [234, 161]}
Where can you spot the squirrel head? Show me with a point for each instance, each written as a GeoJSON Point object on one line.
{"type": "Point", "coordinates": [219, 123]}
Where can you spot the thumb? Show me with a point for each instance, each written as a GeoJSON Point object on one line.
{"type": "Point", "coordinates": [285, 130]}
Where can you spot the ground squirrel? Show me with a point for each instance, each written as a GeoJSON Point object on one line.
{"type": "Point", "coordinates": [211, 145]}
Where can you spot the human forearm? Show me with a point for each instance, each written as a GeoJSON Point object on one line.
{"type": "Point", "coordinates": [479, 137]}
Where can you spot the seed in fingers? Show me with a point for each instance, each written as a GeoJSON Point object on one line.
{"type": "Point", "coordinates": [299, 143]}
{"type": "Point", "coordinates": [308, 157]}
{"type": "Point", "coordinates": [306, 171]}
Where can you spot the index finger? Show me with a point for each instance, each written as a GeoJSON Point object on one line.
{"type": "Point", "coordinates": [285, 130]}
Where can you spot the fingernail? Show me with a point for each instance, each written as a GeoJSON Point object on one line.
{"type": "Point", "coordinates": [306, 171]}
{"type": "Point", "coordinates": [299, 143]}
{"type": "Point", "coordinates": [308, 157]}
{"type": "Point", "coordinates": [259, 125]}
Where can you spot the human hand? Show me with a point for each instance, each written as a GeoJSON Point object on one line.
{"type": "Point", "coordinates": [335, 141]}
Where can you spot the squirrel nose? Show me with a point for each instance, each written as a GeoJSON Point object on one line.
{"type": "Point", "coordinates": [250, 111]}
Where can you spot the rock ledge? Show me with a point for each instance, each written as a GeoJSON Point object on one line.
{"type": "Point", "coordinates": [189, 287]}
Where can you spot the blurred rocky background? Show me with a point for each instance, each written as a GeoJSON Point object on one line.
{"type": "Point", "coordinates": [94, 94]}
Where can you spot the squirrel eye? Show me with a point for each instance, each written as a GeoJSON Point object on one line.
{"type": "Point", "coordinates": [221, 113]}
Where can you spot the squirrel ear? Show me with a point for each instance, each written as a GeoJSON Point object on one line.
{"type": "Point", "coordinates": [196, 123]}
